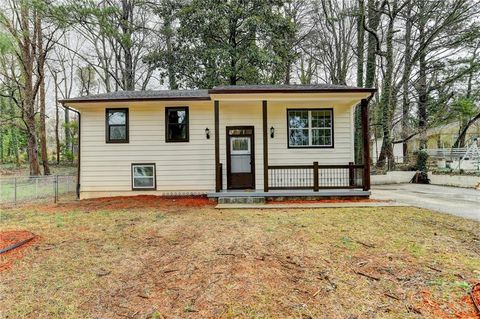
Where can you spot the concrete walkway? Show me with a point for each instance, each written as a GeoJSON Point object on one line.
{"type": "Point", "coordinates": [463, 202]}
{"type": "Point", "coordinates": [312, 205]}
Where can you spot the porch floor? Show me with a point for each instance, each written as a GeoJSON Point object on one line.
{"type": "Point", "coordinates": [290, 193]}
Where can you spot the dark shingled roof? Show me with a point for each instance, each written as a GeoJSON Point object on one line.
{"type": "Point", "coordinates": [186, 95]}
{"type": "Point", "coordinates": [172, 95]}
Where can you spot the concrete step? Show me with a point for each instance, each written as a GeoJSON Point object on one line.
{"type": "Point", "coordinates": [241, 200]}
{"type": "Point", "coordinates": [311, 206]}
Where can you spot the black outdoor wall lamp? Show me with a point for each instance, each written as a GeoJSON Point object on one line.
{"type": "Point", "coordinates": [207, 133]}
{"type": "Point", "coordinates": [272, 132]}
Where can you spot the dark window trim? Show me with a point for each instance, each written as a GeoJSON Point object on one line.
{"type": "Point", "coordinates": [185, 140]}
{"type": "Point", "coordinates": [154, 188]}
{"type": "Point", "coordinates": [312, 146]}
{"type": "Point", "coordinates": [107, 126]}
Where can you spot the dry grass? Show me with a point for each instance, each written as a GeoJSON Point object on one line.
{"type": "Point", "coordinates": [170, 260]}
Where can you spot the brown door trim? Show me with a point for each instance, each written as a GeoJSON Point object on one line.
{"type": "Point", "coordinates": [252, 156]}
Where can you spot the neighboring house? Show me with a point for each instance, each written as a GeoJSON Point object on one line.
{"type": "Point", "coordinates": [440, 140]}
{"type": "Point", "coordinates": [444, 136]}
{"type": "Point", "coordinates": [280, 140]}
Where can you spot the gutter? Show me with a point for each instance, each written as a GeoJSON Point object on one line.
{"type": "Point", "coordinates": [372, 94]}
{"type": "Point", "coordinates": [79, 144]}
{"type": "Point", "coordinates": [287, 91]}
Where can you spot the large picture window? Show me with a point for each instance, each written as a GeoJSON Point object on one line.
{"type": "Point", "coordinates": [176, 124]}
{"type": "Point", "coordinates": [310, 128]}
{"type": "Point", "coordinates": [117, 125]}
{"type": "Point", "coordinates": [143, 177]}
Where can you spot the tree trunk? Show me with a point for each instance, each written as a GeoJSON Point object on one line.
{"type": "Point", "coordinates": [57, 135]}
{"type": "Point", "coordinates": [386, 101]}
{"type": "Point", "coordinates": [373, 22]}
{"type": "Point", "coordinates": [406, 76]}
{"type": "Point", "coordinates": [41, 75]}
{"type": "Point", "coordinates": [168, 31]}
{"type": "Point", "coordinates": [32, 144]}
{"type": "Point", "coordinates": [27, 90]}
{"type": "Point", "coordinates": [422, 91]}
{"type": "Point", "coordinates": [126, 24]}
{"type": "Point", "coordinates": [360, 65]}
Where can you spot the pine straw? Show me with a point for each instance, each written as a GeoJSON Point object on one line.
{"type": "Point", "coordinates": [167, 258]}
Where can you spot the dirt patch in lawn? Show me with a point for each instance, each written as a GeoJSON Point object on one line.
{"type": "Point", "coordinates": [9, 238]}
{"type": "Point", "coordinates": [141, 202]}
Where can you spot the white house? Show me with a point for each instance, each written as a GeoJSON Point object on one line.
{"type": "Point", "coordinates": [260, 140]}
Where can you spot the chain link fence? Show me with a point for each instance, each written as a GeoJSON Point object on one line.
{"type": "Point", "coordinates": [21, 189]}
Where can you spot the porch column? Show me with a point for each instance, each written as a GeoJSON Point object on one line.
{"type": "Point", "coordinates": [265, 146]}
{"type": "Point", "coordinates": [218, 170]}
{"type": "Point", "coordinates": [366, 145]}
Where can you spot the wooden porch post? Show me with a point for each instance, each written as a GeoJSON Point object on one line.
{"type": "Point", "coordinates": [265, 146]}
{"type": "Point", "coordinates": [218, 170]}
{"type": "Point", "coordinates": [366, 145]}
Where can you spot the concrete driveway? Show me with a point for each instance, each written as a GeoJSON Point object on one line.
{"type": "Point", "coordinates": [463, 202]}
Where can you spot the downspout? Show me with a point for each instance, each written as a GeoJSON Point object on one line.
{"type": "Point", "coordinates": [79, 144]}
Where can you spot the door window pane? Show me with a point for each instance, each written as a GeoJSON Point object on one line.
{"type": "Point", "coordinates": [241, 163]}
{"type": "Point", "coordinates": [240, 143]}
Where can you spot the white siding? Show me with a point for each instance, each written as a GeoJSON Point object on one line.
{"type": "Point", "coordinates": [189, 167]}
{"type": "Point", "coordinates": [181, 167]}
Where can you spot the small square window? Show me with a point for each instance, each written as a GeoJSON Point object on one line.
{"type": "Point", "coordinates": [143, 177]}
{"type": "Point", "coordinates": [176, 124]}
{"type": "Point", "coordinates": [116, 125]}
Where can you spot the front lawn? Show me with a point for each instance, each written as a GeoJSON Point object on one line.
{"type": "Point", "coordinates": [148, 257]}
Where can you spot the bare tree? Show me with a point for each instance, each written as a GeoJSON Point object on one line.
{"type": "Point", "coordinates": [22, 69]}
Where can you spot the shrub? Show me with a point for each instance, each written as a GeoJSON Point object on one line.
{"type": "Point", "coordinates": [422, 161]}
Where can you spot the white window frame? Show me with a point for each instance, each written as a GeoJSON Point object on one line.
{"type": "Point", "coordinates": [310, 128]}
{"type": "Point", "coordinates": [153, 178]}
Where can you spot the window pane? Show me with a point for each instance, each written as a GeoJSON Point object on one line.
{"type": "Point", "coordinates": [177, 132]}
{"type": "Point", "coordinates": [117, 117]}
{"type": "Point", "coordinates": [240, 132]}
{"type": "Point", "coordinates": [321, 137]}
{"type": "Point", "coordinates": [143, 171]}
{"type": "Point", "coordinates": [177, 116]}
{"type": "Point", "coordinates": [118, 133]}
{"type": "Point", "coordinates": [321, 118]}
{"type": "Point", "coordinates": [144, 182]}
{"type": "Point", "coordinates": [177, 125]}
{"type": "Point", "coordinates": [298, 137]}
{"type": "Point", "coordinates": [240, 143]}
{"type": "Point", "coordinates": [241, 164]}
{"type": "Point", "coordinates": [298, 119]}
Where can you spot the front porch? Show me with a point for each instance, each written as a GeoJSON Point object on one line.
{"type": "Point", "coordinates": [276, 168]}
{"type": "Point", "coordinates": [290, 194]}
